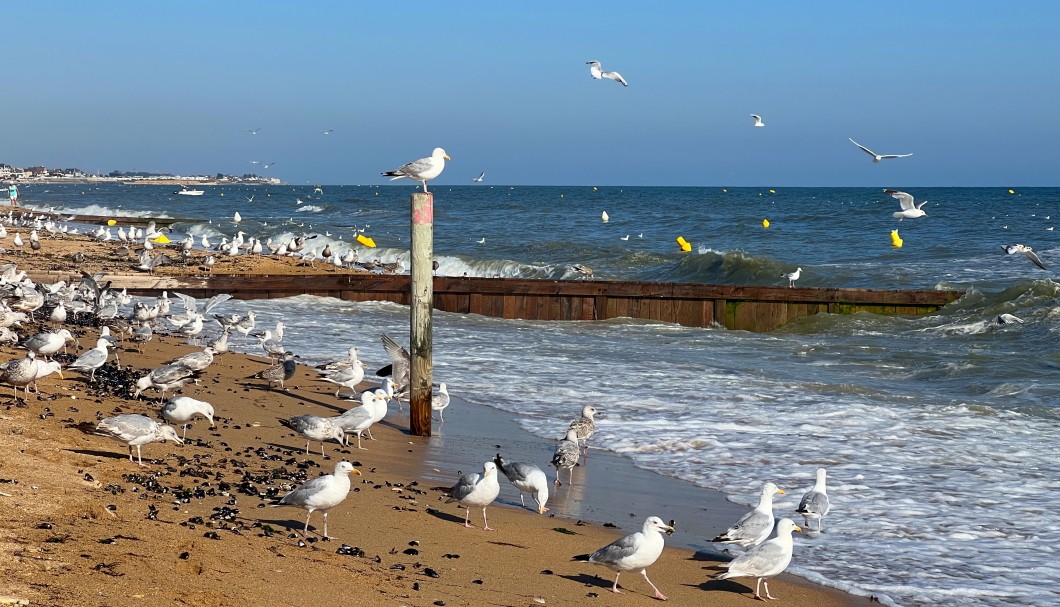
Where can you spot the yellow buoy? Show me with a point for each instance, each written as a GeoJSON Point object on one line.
{"type": "Point", "coordinates": [1011, 192]}
{"type": "Point", "coordinates": [772, 191]}
{"type": "Point", "coordinates": [112, 222]}
{"type": "Point", "coordinates": [896, 240]}
{"type": "Point", "coordinates": [684, 244]}
{"type": "Point", "coordinates": [161, 239]}
{"type": "Point", "coordinates": [366, 241]}
{"type": "Point", "coordinates": [765, 223]}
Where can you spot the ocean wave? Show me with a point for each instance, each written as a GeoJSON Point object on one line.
{"type": "Point", "coordinates": [100, 210]}
{"type": "Point", "coordinates": [310, 208]}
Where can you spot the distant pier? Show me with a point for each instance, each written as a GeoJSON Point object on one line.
{"type": "Point", "coordinates": [748, 308]}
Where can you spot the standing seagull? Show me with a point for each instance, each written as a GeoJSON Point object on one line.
{"type": "Point", "coordinates": [440, 401]}
{"type": "Point", "coordinates": [422, 170]}
{"type": "Point", "coordinates": [814, 504]}
{"type": "Point", "coordinates": [758, 120]}
{"type": "Point", "coordinates": [594, 71]}
{"type": "Point", "coordinates": [566, 455]}
{"type": "Point", "coordinates": [638, 550]}
{"type": "Point", "coordinates": [910, 209]}
{"type": "Point", "coordinates": [475, 490]}
{"type": "Point", "coordinates": [180, 409]}
{"type": "Point", "coordinates": [135, 431]}
{"type": "Point", "coordinates": [765, 561]}
{"type": "Point", "coordinates": [792, 277]}
{"type": "Point", "coordinates": [527, 478]}
{"type": "Point", "coordinates": [322, 493]}
{"type": "Point", "coordinates": [585, 427]}
{"type": "Point", "coordinates": [754, 527]}
{"type": "Point", "coordinates": [92, 359]}
{"type": "Point", "coordinates": [878, 157]}
{"type": "Point", "coordinates": [314, 428]}
{"type": "Point", "coordinates": [1012, 249]}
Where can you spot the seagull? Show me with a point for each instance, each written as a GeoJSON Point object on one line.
{"type": "Point", "coordinates": [322, 493]}
{"type": "Point", "coordinates": [347, 377]}
{"type": "Point", "coordinates": [267, 165]}
{"type": "Point", "coordinates": [758, 120]}
{"type": "Point", "coordinates": [585, 426]}
{"type": "Point", "coordinates": [594, 71]}
{"type": "Point", "coordinates": [314, 428]}
{"type": "Point", "coordinates": [635, 551]}
{"type": "Point", "coordinates": [180, 409]}
{"type": "Point", "coordinates": [359, 420]}
{"type": "Point", "coordinates": [754, 527]}
{"type": "Point", "coordinates": [527, 478]}
{"type": "Point", "coordinates": [254, 131]}
{"type": "Point", "coordinates": [814, 504]}
{"type": "Point", "coordinates": [1012, 249]}
{"type": "Point", "coordinates": [481, 241]}
{"type": "Point", "coordinates": [480, 177]}
{"type": "Point", "coordinates": [422, 170]}
{"type": "Point", "coordinates": [475, 490]}
{"type": "Point", "coordinates": [1007, 319]}
{"type": "Point", "coordinates": [92, 359]}
{"type": "Point", "coordinates": [135, 430]}
{"type": "Point", "coordinates": [910, 209]}
{"type": "Point", "coordinates": [327, 131]}
{"type": "Point", "coordinates": [566, 455]}
{"type": "Point", "coordinates": [878, 157]}
{"type": "Point", "coordinates": [440, 401]}
{"type": "Point", "coordinates": [792, 277]}
{"type": "Point", "coordinates": [765, 561]}
{"type": "Point", "coordinates": [249, 199]}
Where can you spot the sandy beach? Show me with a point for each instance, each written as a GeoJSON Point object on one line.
{"type": "Point", "coordinates": [85, 526]}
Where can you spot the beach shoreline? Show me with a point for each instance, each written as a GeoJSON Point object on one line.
{"type": "Point", "coordinates": [81, 528]}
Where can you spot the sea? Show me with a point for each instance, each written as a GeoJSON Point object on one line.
{"type": "Point", "coordinates": [940, 433]}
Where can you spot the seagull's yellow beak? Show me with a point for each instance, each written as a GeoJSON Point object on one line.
{"type": "Point", "coordinates": [780, 491]}
{"type": "Point", "coordinates": [447, 157]}
{"type": "Point", "coordinates": [797, 528]}
{"type": "Point", "coordinates": [357, 472]}
{"type": "Point", "coordinates": [60, 372]}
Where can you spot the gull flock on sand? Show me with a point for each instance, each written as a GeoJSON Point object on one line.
{"type": "Point", "coordinates": [636, 552]}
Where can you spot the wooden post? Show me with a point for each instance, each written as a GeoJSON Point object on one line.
{"type": "Point", "coordinates": [422, 300]}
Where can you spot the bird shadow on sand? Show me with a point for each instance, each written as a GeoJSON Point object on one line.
{"type": "Point", "coordinates": [712, 555]}
{"type": "Point", "coordinates": [288, 524]}
{"type": "Point", "coordinates": [730, 586]}
{"type": "Point", "coordinates": [445, 516]}
{"type": "Point", "coordinates": [595, 580]}
{"type": "Point", "coordinates": [107, 454]}
{"type": "Point", "coordinates": [300, 451]}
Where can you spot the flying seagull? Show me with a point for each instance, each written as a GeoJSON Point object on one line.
{"type": "Point", "coordinates": [758, 120]}
{"type": "Point", "coordinates": [594, 71]}
{"type": "Point", "coordinates": [327, 131]}
{"type": "Point", "coordinates": [1012, 249]}
{"type": "Point", "coordinates": [254, 131]}
{"type": "Point", "coordinates": [910, 209]}
{"type": "Point", "coordinates": [877, 157]}
{"type": "Point", "coordinates": [480, 177]}
{"type": "Point", "coordinates": [422, 170]}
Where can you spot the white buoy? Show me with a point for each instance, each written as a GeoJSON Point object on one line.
{"type": "Point", "coordinates": [604, 216]}
{"type": "Point", "coordinates": [237, 217]}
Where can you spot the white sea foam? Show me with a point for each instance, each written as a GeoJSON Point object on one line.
{"type": "Point", "coordinates": [104, 211]}
{"type": "Point", "coordinates": [310, 208]}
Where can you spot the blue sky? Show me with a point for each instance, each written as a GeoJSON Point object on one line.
{"type": "Point", "coordinates": [968, 87]}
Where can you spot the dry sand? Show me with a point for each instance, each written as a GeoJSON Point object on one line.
{"type": "Point", "coordinates": [85, 526]}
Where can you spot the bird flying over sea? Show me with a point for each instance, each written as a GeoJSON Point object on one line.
{"type": "Point", "coordinates": [422, 170]}
{"type": "Point", "coordinates": [597, 74]}
{"type": "Point", "coordinates": [758, 120]}
{"type": "Point", "coordinates": [877, 157]}
{"type": "Point", "coordinates": [480, 177]}
{"type": "Point", "coordinates": [254, 131]}
{"type": "Point", "coordinates": [1012, 249]}
{"type": "Point", "coordinates": [327, 131]}
{"type": "Point", "coordinates": [910, 209]}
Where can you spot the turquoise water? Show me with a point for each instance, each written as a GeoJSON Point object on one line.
{"type": "Point", "coordinates": [939, 432]}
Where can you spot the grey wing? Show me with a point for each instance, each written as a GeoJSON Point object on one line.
{"type": "Point", "coordinates": [353, 417]}
{"type": "Point", "coordinates": [463, 487]}
{"type": "Point", "coordinates": [299, 495]}
{"type": "Point", "coordinates": [566, 455]}
{"type": "Point", "coordinates": [415, 167]}
{"type": "Point", "coordinates": [750, 526]}
{"type": "Point", "coordinates": [617, 550]}
{"type": "Point", "coordinates": [299, 423]}
{"type": "Point", "coordinates": [37, 341]}
{"type": "Point", "coordinates": [761, 558]}
{"type": "Point", "coordinates": [170, 373]}
{"type": "Point", "coordinates": [128, 427]}
{"type": "Point", "coordinates": [188, 301]}
{"type": "Point", "coordinates": [521, 470]}
{"type": "Point", "coordinates": [92, 358]}
{"type": "Point", "coordinates": [399, 358]}
{"type": "Point", "coordinates": [813, 502]}
{"type": "Point", "coordinates": [895, 155]}
{"type": "Point", "coordinates": [865, 149]}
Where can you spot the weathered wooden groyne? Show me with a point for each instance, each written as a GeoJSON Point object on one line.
{"type": "Point", "coordinates": [750, 308]}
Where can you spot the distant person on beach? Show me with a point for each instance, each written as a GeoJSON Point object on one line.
{"type": "Point", "coordinates": [12, 193]}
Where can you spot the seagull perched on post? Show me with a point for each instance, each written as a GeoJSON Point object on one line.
{"type": "Point", "coordinates": [910, 209]}
{"type": "Point", "coordinates": [597, 74]}
{"type": "Point", "coordinates": [422, 170]}
{"type": "Point", "coordinates": [877, 157]}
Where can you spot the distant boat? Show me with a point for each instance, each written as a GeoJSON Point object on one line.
{"type": "Point", "coordinates": [184, 191]}
{"type": "Point", "coordinates": [479, 178]}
